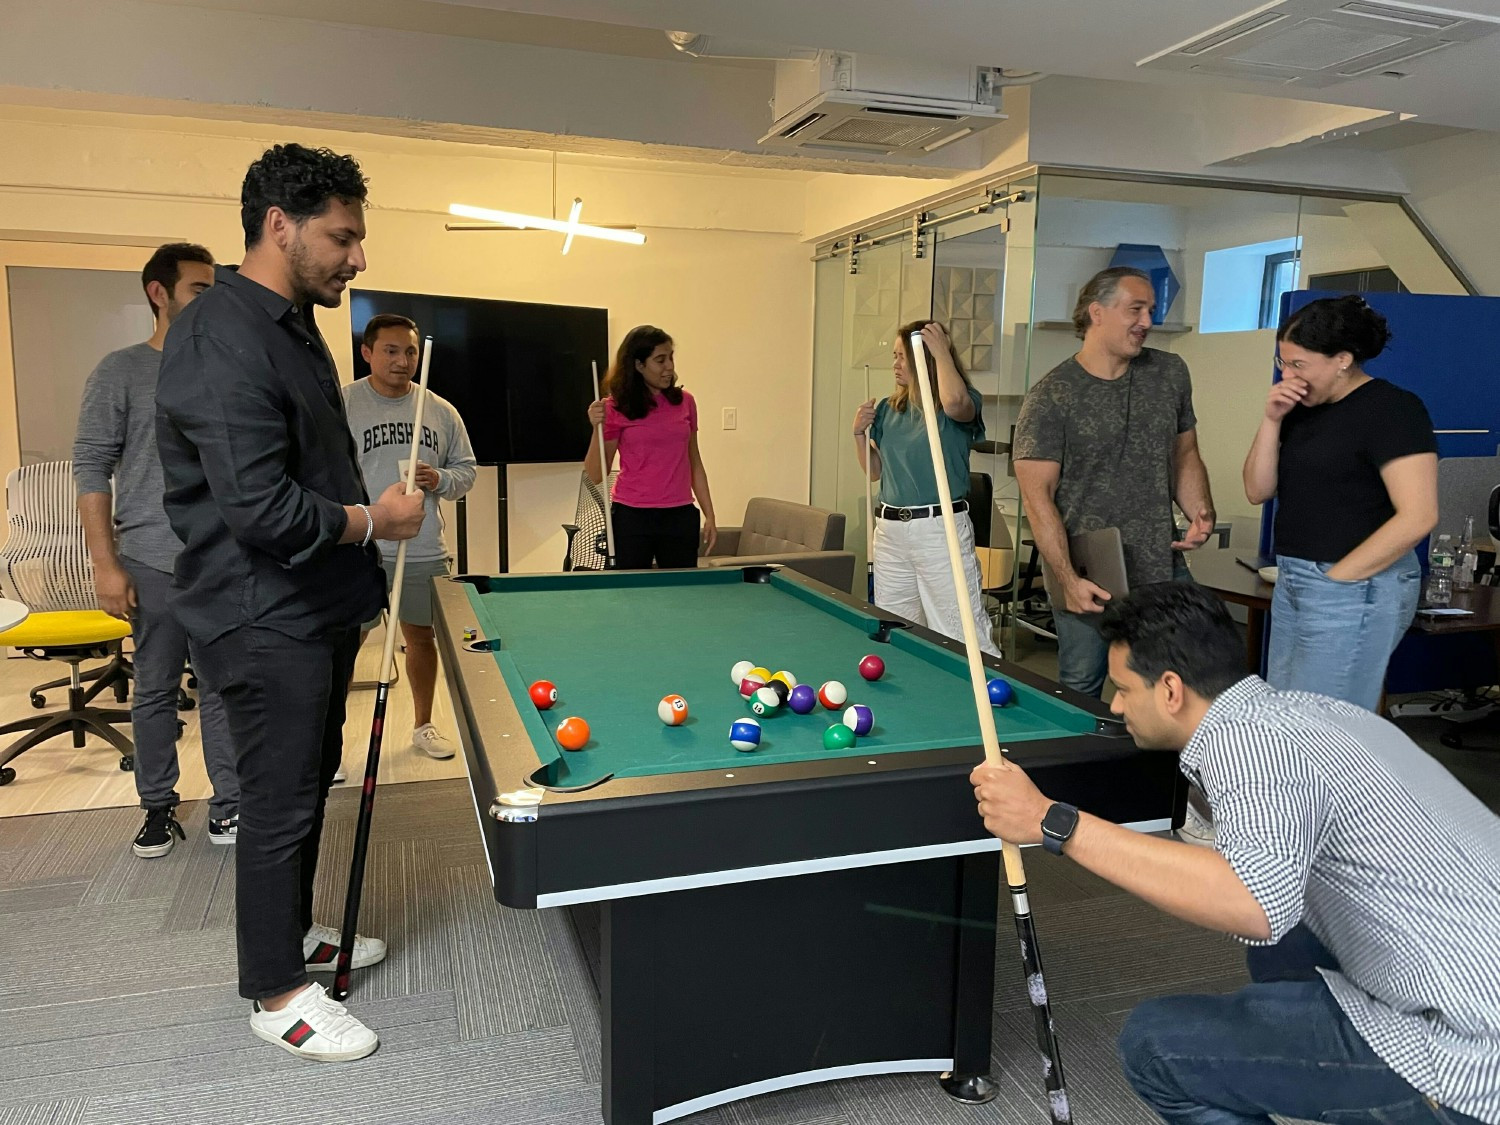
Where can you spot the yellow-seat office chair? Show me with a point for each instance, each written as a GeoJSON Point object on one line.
{"type": "Point", "coordinates": [45, 565]}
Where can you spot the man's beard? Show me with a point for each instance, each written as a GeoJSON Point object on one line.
{"type": "Point", "coordinates": [306, 283]}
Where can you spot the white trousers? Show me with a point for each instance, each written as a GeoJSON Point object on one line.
{"type": "Point", "coordinates": [914, 579]}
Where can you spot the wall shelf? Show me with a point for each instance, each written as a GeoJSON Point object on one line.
{"type": "Point", "coordinates": [1067, 326]}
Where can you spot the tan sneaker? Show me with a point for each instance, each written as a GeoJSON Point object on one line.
{"type": "Point", "coordinates": [432, 742]}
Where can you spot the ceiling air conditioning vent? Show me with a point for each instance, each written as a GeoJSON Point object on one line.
{"type": "Point", "coordinates": [878, 106]}
{"type": "Point", "coordinates": [1314, 43]}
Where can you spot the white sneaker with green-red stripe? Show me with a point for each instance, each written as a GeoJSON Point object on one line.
{"type": "Point", "coordinates": [320, 950]}
{"type": "Point", "coordinates": [313, 1026]}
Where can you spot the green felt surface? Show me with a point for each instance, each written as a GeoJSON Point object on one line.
{"type": "Point", "coordinates": [614, 644]}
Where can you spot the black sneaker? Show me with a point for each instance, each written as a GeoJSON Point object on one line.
{"type": "Point", "coordinates": [224, 831]}
{"type": "Point", "coordinates": [155, 837]}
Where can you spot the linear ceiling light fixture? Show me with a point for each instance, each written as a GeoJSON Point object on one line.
{"type": "Point", "coordinates": [570, 227]}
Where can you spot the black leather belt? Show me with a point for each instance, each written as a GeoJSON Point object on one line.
{"type": "Point", "coordinates": [906, 515]}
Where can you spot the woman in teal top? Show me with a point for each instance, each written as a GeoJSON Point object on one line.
{"type": "Point", "coordinates": [912, 574]}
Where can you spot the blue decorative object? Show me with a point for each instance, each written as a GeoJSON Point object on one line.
{"type": "Point", "coordinates": [1151, 260]}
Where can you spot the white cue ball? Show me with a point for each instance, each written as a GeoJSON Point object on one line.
{"type": "Point", "coordinates": [738, 673]}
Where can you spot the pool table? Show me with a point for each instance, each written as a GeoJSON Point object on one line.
{"type": "Point", "coordinates": [760, 920]}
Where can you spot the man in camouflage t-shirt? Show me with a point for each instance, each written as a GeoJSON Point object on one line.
{"type": "Point", "coordinates": [1107, 439]}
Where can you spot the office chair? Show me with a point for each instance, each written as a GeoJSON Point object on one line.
{"type": "Point", "coordinates": [45, 565]}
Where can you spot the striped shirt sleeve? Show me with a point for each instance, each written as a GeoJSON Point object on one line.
{"type": "Point", "coordinates": [1271, 811]}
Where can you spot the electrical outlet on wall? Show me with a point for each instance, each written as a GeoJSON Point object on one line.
{"type": "Point", "coordinates": [731, 418]}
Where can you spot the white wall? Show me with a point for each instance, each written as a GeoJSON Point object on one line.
{"type": "Point", "coordinates": [1454, 185]}
{"type": "Point", "coordinates": [723, 268]}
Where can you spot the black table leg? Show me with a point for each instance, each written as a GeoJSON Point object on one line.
{"type": "Point", "coordinates": [973, 1001]}
{"type": "Point", "coordinates": [627, 944]}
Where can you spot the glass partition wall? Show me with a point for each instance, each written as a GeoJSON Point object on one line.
{"type": "Point", "coordinates": [967, 264]}
{"type": "Point", "coordinates": [1002, 267]}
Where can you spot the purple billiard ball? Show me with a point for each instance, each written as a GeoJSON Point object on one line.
{"type": "Point", "coordinates": [802, 700]}
{"type": "Point", "coordinates": [860, 719]}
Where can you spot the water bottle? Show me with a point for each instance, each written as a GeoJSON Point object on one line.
{"type": "Point", "coordinates": [1440, 571]}
{"type": "Point", "coordinates": [1467, 560]}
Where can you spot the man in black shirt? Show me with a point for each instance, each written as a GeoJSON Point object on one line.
{"type": "Point", "coordinates": [278, 567]}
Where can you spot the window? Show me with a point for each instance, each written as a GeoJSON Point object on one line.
{"type": "Point", "coordinates": [1280, 277]}
{"type": "Point", "coordinates": [1241, 289]}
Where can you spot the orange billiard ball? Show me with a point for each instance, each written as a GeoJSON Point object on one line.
{"type": "Point", "coordinates": [672, 710]}
{"type": "Point", "coordinates": [572, 733]}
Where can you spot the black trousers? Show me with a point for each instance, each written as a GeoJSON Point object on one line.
{"type": "Point", "coordinates": [666, 536]}
{"type": "Point", "coordinates": [284, 700]}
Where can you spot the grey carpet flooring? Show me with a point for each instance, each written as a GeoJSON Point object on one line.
{"type": "Point", "coordinates": [118, 1004]}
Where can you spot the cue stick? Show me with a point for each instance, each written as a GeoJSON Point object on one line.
{"type": "Point", "coordinates": [340, 987]}
{"type": "Point", "coordinates": [609, 520]}
{"type": "Point", "coordinates": [869, 506]}
{"type": "Point", "coordinates": [1015, 871]}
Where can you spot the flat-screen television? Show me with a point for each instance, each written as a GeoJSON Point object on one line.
{"type": "Point", "coordinates": [517, 372]}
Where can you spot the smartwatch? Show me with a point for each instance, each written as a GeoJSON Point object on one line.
{"type": "Point", "coordinates": [1058, 826]}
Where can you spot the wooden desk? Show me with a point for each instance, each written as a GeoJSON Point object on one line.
{"type": "Point", "coordinates": [1485, 602]}
{"type": "Point", "coordinates": [1220, 572]}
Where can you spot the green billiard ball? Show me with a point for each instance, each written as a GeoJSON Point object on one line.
{"type": "Point", "coordinates": [838, 737]}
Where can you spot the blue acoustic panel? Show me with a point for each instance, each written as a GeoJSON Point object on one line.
{"type": "Point", "coordinates": [1151, 260]}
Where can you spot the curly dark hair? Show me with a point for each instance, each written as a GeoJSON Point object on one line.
{"type": "Point", "coordinates": [625, 384]}
{"type": "Point", "coordinates": [300, 181]}
{"type": "Point", "coordinates": [1177, 627]}
{"type": "Point", "coordinates": [1338, 324]}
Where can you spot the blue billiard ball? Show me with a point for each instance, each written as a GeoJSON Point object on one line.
{"type": "Point", "coordinates": [1001, 692]}
{"type": "Point", "coordinates": [744, 734]}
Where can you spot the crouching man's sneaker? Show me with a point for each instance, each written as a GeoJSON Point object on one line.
{"type": "Point", "coordinates": [432, 742]}
{"type": "Point", "coordinates": [224, 831]}
{"type": "Point", "coordinates": [313, 1026]}
{"type": "Point", "coordinates": [320, 950]}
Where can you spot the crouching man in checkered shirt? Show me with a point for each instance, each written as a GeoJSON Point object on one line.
{"type": "Point", "coordinates": [1364, 877]}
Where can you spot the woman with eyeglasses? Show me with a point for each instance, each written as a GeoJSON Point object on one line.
{"type": "Point", "coordinates": [913, 577]}
{"type": "Point", "coordinates": [1352, 463]}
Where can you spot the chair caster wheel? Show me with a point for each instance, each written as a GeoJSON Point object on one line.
{"type": "Point", "coordinates": [186, 702]}
{"type": "Point", "coordinates": [38, 701]}
{"type": "Point", "coordinates": [127, 762]}
{"type": "Point", "coordinates": [1453, 740]}
{"type": "Point", "coordinates": [181, 728]}
{"type": "Point", "coordinates": [192, 682]}
{"type": "Point", "coordinates": [7, 775]}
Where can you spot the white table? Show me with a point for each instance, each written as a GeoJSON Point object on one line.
{"type": "Point", "coordinates": [12, 614]}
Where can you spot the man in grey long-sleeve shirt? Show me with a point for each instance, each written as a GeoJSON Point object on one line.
{"type": "Point", "coordinates": [133, 548]}
{"type": "Point", "coordinates": [381, 411]}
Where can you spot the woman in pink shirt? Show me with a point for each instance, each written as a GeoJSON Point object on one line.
{"type": "Point", "coordinates": [654, 424]}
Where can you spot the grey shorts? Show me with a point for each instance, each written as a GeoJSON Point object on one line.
{"type": "Point", "coordinates": [416, 590]}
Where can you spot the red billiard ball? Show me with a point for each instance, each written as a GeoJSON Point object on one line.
{"type": "Point", "coordinates": [872, 667]}
{"type": "Point", "coordinates": [543, 693]}
{"type": "Point", "coordinates": [572, 733]}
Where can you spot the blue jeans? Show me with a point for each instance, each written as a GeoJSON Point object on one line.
{"type": "Point", "coordinates": [1336, 638]}
{"type": "Point", "coordinates": [1082, 655]}
{"type": "Point", "coordinates": [1281, 1045]}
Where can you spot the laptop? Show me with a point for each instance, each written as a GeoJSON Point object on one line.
{"type": "Point", "coordinates": [1098, 556]}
